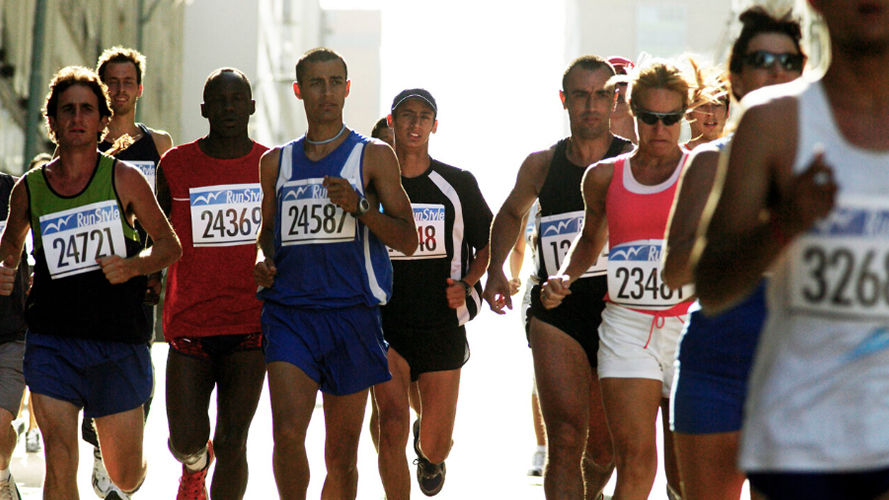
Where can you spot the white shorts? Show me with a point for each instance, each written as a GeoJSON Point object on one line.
{"type": "Point", "coordinates": [633, 344]}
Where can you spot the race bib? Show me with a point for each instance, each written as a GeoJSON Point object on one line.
{"type": "Point", "coordinates": [841, 266]}
{"type": "Point", "coordinates": [225, 215]}
{"type": "Point", "coordinates": [430, 221]}
{"type": "Point", "coordinates": [308, 216]}
{"type": "Point", "coordinates": [634, 277]}
{"type": "Point", "coordinates": [73, 239]}
{"type": "Point", "coordinates": [148, 169]}
{"type": "Point", "coordinates": [557, 232]}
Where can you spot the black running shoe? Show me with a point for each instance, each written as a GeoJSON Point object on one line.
{"type": "Point", "coordinates": [430, 476]}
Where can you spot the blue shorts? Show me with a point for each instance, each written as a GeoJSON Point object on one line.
{"type": "Point", "coordinates": [859, 485]}
{"type": "Point", "coordinates": [102, 377]}
{"type": "Point", "coordinates": [341, 349]}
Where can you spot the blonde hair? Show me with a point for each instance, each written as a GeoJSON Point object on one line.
{"type": "Point", "coordinates": [660, 74]}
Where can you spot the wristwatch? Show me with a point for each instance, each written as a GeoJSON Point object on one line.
{"type": "Point", "coordinates": [363, 207]}
{"type": "Point", "coordinates": [467, 286]}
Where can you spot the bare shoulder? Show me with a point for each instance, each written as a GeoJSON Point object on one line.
{"type": "Point", "coordinates": [601, 171]}
{"type": "Point", "coordinates": [163, 141]}
{"type": "Point", "coordinates": [539, 160]}
{"type": "Point", "coordinates": [379, 157]}
{"type": "Point", "coordinates": [270, 159]}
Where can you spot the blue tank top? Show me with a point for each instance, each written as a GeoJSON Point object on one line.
{"type": "Point", "coordinates": [325, 257]}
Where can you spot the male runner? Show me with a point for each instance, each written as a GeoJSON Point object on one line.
{"type": "Point", "coordinates": [435, 292]}
{"type": "Point", "coordinates": [332, 202]}
{"type": "Point", "coordinates": [87, 344]}
{"type": "Point", "coordinates": [121, 70]}
{"type": "Point", "coordinates": [210, 190]}
{"type": "Point", "coordinates": [12, 350]}
{"type": "Point", "coordinates": [564, 341]}
{"type": "Point", "coordinates": [813, 155]}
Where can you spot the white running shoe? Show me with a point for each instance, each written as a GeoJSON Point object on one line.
{"type": "Point", "coordinates": [537, 461]}
{"type": "Point", "coordinates": [102, 484]}
{"type": "Point", "coordinates": [32, 441]}
{"type": "Point", "coordinates": [9, 490]}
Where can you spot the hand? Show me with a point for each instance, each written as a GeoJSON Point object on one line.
{"type": "Point", "coordinates": [341, 193]}
{"type": "Point", "coordinates": [515, 284]}
{"type": "Point", "coordinates": [554, 291]}
{"type": "Point", "coordinates": [153, 289]}
{"type": "Point", "coordinates": [7, 276]}
{"type": "Point", "coordinates": [264, 273]}
{"type": "Point", "coordinates": [497, 291]}
{"type": "Point", "coordinates": [810, 196]}
{"type": "Point", "coordinates": [455, 293]}
{"type": "Point", "coordinates": [117, 269]}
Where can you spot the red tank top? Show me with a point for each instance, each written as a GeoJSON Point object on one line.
{"type": "Point", "coordinates": [210, 289]}
{"type": "Point", "coordinates": [637, 220]}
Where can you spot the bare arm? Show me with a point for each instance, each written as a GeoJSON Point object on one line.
{"type": "Point", "coordinates": [264, 270]}
{"type": "Point", "coordinates": [456, 294]}
{"type": "Point", "coordinates": [694, 187]}
{"type": "Point", "coordinates": [517, 258]}
{"type": "Point", "coordinates": [164, 198]}
{"type": "Point", "coordinates": [741, 243]}
{"type": "Point", "coordinates": [139, 202]}
{"type": "Point", "coordinates": [13, 237]}
{"type": "Point", "coordinates": [394, 226]}
{"type": "Point", "coordinates": [507, 226]}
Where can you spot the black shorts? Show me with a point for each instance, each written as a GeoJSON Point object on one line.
{"type": "Point", "coordinates": [578, 315]}
{"type": "Point", "coordinates": [859, 485]}
{"type": "Point", "coordinates": [216, 346]}
{"type": "Point", "coordinates": [429, 350]}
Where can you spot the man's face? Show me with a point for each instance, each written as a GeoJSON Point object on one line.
{"type": "Point", "coordinates": [227, 105]}
{"type": "Point", "coordinates": [323, 90]}
{"type": "Point", "coordinates": [413, 121]}
{"type": "Point", "coordinates": [588, 102]}
{"type": "Point", "coordinates": [77, 121]}
{"type": "Point", "coordinates": [121, 79]}
{"type": "Point", "coordinates": [857, 26]}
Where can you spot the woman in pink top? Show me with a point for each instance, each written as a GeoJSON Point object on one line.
{"type": "Point", "coordinates": [628, 201]}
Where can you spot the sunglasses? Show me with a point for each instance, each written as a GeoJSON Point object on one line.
{"type": "Point", "coordinates": [650, 117]}
{"type": "Point", "coordinates": [762, 59]}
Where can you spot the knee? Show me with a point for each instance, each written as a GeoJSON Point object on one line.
{"type": "Point", "coordinates": [287, 435]}
{"type": "Point", "coordinates": [128, 475]}
{"type": "Point", "coordinates": [393, 431]}
{"type": "Point", "coordinates": [437, 450]}
{"type": "Point", "coordinates": [636, 455]}
{"type": "Point", "coordinates": [565, 437]}
{"type": "Point", "coordinates": [341, 458]}
{"type": "Point", "coordinates": [230, 447]}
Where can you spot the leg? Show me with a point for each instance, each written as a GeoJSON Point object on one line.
{"type": "Point", "coordinates": [392, 400]}
{"type": "Point", "coordinates": [374, 424]}
{"type": "Point", "coordinates": [8, 437]}
{"type": "Point", "coordinates": [343, 416]}
{"type": "Point", "coordinates": [539, 457]}
{"type": "Point", "coordinates": [240, 376]}
{"type": "Point", "coordinates": [631, 405]}
{"type": "Point", "coordinates": [190, 382]}
{"type": "Point", "coordinates": [708, 465]}
{"type": "Point", "coordinates": [292, 393]}
{"type": "Point", "coordinates": [598, 458]}
{"type": "Point", "coordinates": [671, 466]}
{"type": "Point", "coordinates": [563, 376]}
{"type": "Point", "coordinates": [58, 421]}
{"type": "Point", "coordinates": [120, 439]}
{"type": "Point", "coordinates": [438, 401]}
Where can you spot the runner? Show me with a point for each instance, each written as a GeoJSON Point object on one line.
{"type": "Point", "coordinates": [813, 155]}
{"type": "Point", "coordinates": [12, 350]}
{"type": "Point", "coordinates": [715, 353]}
{"type": "Point", "coordinates": [435, 293]}
{"type": "Point", "coordinates": [87, 341]}
{"type": "Point", "coordinates": [709, 108]}
{"type": "Point", "coordinates": [383, 131]}
{"type": "Point", "coordinates": [627, 202]}
{"type": "Point", "coordinates": [322, 260]}
{"type": "Point", "coordinates": [564, 342]}
{"type": "Point", "coordinates": [622, 123]}
{"type": "Point", "coordinates": [210, 190]}
{"type": "Point", "coordinates": [122, 70]}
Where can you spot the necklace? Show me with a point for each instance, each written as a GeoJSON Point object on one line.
{"type": "Point", "coordinates": [326, 141]}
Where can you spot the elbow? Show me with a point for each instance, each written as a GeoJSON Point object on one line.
{"type": "Point", "coordinates": [675, 275]}
{"type": "Point", "coordinates": [410, 244]}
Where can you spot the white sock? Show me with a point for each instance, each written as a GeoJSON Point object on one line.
{"type": "Point", "coordinates": [541, 448]}
{"type": "Point", "coordinates": [4, 475]}
{"type": "Point", "coordinates": [199, 464]}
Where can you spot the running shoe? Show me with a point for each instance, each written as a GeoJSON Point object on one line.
{"type": "Point", "coordinates": [116, 494]}
{"type": "Point", "coordinates": [102, 484]}
{"type": "Point", "coordinates": [9, 490]}
{"type": "Point", "coordinates": [430, 476]}
{"type": "Point", "coordinates": [537, 461]}
{"type": "Point", "coordinates": [32, 441]}
{"type": "Point", "coordinates": [191, 484]}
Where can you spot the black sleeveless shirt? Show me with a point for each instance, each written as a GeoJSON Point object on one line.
{"type": "Point", "coordinates": [12, 308]}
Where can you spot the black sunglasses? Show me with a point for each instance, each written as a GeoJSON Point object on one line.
{"type": "Point", "coordinates": [650, 117]}
{"type": "Point", "coordinates": [761, 59]}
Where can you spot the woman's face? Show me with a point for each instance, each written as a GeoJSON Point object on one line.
{"type": "Point", "coordinates": [655, 136]}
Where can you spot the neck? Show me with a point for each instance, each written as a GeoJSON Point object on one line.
{"type": "Point", "coordinates": [121, 124]}
{"type": "Point", "coordinates": [324, 131]}
{"type": "Point", "coordinates": [76, 161]}
{"type": "Point", "coordinates": [413, 162]}
{"type": "Point", "coordinates": [586, 151]}
{"type": "Point", "coordinates": [858, 80]}
{"type": "Point", "coordinates": [225, 148]}
{"type": "Point", "coordinates": [645, 158]}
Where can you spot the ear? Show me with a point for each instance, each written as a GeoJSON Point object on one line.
{"type": "Point", "coordinates": [139, 94]}
{"type": "Point", "coordinates": [252, 106]}
{"type": "Point", "coordinates": [736, 83]}
{"type": "Point", "coordinates": [296, 91]}
{"type": "Point", "coordinates": [390, 121]}
{"type": "Point", "coordinates": [562, 98]}
{"type": "Point", "coordinates": [203, 111]}
{"type": "Point", "coordinates": [348, 87]}
{"type": "Point", "coordinates": [434, 126]}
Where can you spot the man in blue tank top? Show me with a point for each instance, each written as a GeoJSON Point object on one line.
{"type": "Point", "coordinates": [86, 344]}
{"type": "Point", "coordinates": [332, 203]}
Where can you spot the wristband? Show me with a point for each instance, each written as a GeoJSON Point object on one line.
{"type": "Point", "coordinates": [467, 286]}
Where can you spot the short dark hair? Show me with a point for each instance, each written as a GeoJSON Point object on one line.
{"type": "Point", "coordinates": [757, 20]}
{"type": "Point", "coordinates": [118, 54]}
{"type": "Point", "coordinates": [587, 62]}
{"type": "Point", "coordinates": [382, 123]}
{"type": "Point", "coordinates": [319, 54]}
{"type": "Point", "coordinates": [218, 72]}
{"type": "Point", "coordinates": [66, 78]}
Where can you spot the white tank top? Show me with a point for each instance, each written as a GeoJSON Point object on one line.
{"type": "Point", "coordinates": [819, 391]}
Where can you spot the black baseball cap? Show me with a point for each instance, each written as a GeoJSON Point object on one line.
{"type": "Point", "coordinates": [422, 94]}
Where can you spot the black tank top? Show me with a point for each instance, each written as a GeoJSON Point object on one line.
{"type": "Point", "coordinates": [141, 150]}
{"type": "Point", "coordinates": [12, 307]}
{"type": "Point", "coordinates": [562, 190]}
